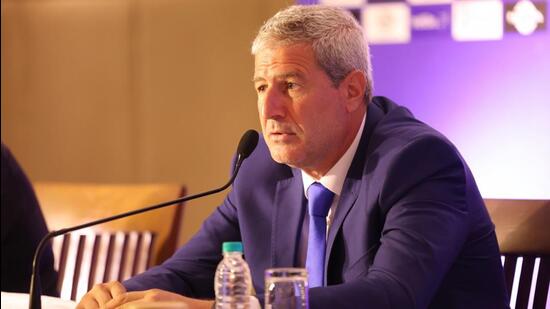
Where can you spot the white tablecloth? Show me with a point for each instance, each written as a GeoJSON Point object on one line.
{"type": "Point", "coordinates": [21, 301]}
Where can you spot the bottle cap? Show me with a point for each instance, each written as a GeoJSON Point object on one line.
{"type": "Point", "coordinates": [232, 246]}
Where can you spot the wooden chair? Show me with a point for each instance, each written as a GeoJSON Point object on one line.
{"type": "Point", "coordinates": [112, 251]}
{"type": "Point", "coordinates": [523, 234]}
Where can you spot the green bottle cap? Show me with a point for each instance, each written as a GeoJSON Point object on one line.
{"type": "Point", "coordinates": [232, 246]}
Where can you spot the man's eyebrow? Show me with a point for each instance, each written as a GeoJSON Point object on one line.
{"type": "Point", "coordinates": [257, 79]}
{"type": "Point", "coordinates": [280, 76]}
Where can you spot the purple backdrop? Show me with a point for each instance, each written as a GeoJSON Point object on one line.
{"type": "Point", "coordinates": [491, 98]}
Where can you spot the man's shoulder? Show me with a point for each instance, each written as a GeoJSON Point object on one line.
{"type": "Point", "coordinates": [403, 152]}
{"type": "Point", "coordinates": [397, 128]}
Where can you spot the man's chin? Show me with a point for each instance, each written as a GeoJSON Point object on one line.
{"type": "Point", "coordinates": [285, 158]}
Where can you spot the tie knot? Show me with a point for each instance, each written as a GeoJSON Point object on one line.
{"type": "Point", "coordinates": [319, 200]}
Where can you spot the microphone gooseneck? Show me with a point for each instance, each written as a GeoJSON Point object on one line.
{"type": "Point", "coordinates": [247, 144]}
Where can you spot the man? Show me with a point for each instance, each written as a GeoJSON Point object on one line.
{"type": "Point", "coordinates": [407, 226]}
{"type": "Point", "coordinates": [23, 226]}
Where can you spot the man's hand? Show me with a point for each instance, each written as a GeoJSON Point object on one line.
{"type": "Point", "coordinates": [101, 294]}
{"type": "Point", "coordinates": [114, 295]}
{"type": "Point", "coordinates": [156, 295]}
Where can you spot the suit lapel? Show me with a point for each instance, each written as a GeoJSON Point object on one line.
{"type": "Point", "coordinates": [287, 220]}
{"type": "Point", "coordinates": [353, 183]}
{"type": "Point", "coordinates": [350, 191]}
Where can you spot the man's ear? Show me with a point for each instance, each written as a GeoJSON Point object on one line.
{"type": "Point", "coordinates": [352, 88]}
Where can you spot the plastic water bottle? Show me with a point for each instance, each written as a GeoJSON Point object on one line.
{"type": "Point", "coordinates": [232, 283]}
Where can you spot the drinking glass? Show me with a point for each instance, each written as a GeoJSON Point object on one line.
{"type": "Point", "coordinates": [286, 288]}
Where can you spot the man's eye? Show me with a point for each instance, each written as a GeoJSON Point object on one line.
{"type": "Point", "coordinates": [290, 85]}
{"type": "Point", "coordinates": [261, 88]}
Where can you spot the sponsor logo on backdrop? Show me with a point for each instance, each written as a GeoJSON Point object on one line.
{"type": "Point", "coordinates": [525, 17]}
{"type": "Point", "coordinates": [431, 20]}
{"type": "Point", "coordinates": [474, 20]}
{"type": "Point", "coordinates": [387, 23]}
{"type": "Point", "coordinates": [428, 2]}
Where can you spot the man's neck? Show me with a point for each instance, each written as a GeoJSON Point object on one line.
{"type": "Point", "coordinates": [334, 178]}
{"type": "Point", "coordinates": [358, 123]}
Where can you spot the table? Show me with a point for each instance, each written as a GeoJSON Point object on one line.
{"type": "Point", "coordinates": [11, 300]}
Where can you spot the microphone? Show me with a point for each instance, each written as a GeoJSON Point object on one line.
{"type": "Point", "coordinates": [247, 144]}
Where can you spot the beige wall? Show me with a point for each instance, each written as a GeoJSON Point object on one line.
{"type": "Point", "coordinates": [130, 91]}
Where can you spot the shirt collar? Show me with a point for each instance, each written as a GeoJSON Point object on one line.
{"type": "Point", "coordinates": [334, 178]}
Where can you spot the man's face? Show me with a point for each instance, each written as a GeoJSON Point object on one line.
{"type": "Point", "coordinates": [302, 114]}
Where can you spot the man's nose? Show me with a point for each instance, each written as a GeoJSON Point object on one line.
{"type": "Point", "coordinates": [273, 105]}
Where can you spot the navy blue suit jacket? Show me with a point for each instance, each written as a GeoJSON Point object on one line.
{"type": "Point", "coordinates": [410, 230]}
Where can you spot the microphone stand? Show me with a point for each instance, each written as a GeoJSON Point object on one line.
{"type": "Point", "coordinates": [246, 146]}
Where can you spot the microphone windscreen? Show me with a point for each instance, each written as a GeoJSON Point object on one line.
{"type": "Point", "coordinates": [247, 144]}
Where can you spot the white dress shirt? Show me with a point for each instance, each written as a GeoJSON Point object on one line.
{"type": "Point", "coordinates": [334, 181]}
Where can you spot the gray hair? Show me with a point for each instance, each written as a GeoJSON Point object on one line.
{"type": "Point", "coordinates": [335, 36]}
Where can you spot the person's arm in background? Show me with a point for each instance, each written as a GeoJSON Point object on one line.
{"type": "Point", "coordinates": [23, 226]}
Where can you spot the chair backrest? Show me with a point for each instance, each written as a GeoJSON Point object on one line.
{"type": "Point", "coordinates": [112, 251]}
{"type": "Point", "coordinates": [523, 233]}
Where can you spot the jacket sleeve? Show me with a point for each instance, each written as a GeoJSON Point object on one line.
{"type": "Point", "coordinates": [190, 271]}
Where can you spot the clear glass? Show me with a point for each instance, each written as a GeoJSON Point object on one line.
{"type": "Point", "coordinates": [286, 288]}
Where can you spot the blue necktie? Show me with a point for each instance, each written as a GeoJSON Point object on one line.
{"type": "Point", "coordinates": [319, 201]}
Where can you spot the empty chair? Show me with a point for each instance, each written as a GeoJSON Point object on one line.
{"type": "Point", "coordinates": [111, 251]}
{"type": "Point", "coordinates": [524, 241]}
